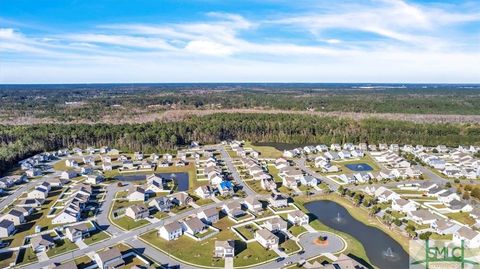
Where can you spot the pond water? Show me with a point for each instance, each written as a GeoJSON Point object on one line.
{"type": "Point", "coordinates": [382, 250]}
{"type": "Point", "coordinates": [359, 167]}
{"type": "Point", "coordinates": [181, 179]}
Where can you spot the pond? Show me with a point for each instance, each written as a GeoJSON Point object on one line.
{"type": "Point", "coordinates": [382, 250]}
{"type": "Point", "coordinates": [359, 167]}
{"type": "Point", "coordinates": [181, 179]}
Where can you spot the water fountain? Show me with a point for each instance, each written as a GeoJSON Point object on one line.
{"type": "Point", "coordinates": [390, 255]}
{"type": "Point", "coordinates": [338, 218]}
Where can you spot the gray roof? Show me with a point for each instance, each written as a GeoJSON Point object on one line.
{"type": "Point", "coordinates": [467, 233]}
{"type": "Point", "coordinates": [266, 234]}
{"type": "Point", "coordinates": [172, 226]}
{"type": "Point", "coordinates": [5, 223]}
{"type": "Point", "coordinates": [109, 254]}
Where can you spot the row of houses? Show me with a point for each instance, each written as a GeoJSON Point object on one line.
{"type": "Point", "coordinates": [364, 177]}
{"type": "Point", "coordinates": [74, 205]}
{"type": "Point", "coordinates": [453, 164]}
{"type": "Point", "coordinates": [435, 221]}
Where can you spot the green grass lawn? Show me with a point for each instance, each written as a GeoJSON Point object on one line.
{"type": "Point", "coordinates": [289, 246]}
{"type": "Point", "coordinates": [26, 256]}
{"type": "Point", "coordinates": [256, 186]}
{"type": "Point", "coordinates": [83, 262]}
{"type": "Point", "coordinates": [62, 246]}
{"type": "Point", "coordinates": [128, 223]}
{"type": "Point", "coordinates": [296, 230]}
{"type": "Point", "coordinates": [247, 231]}
{"type": "Point", "coordinates": [265, 151]}
{"type": "Point", "coordinates": [200, 252]}
{"type": "Point", "coordinates": [462, 217]}
{"type": "Point", "coordinates": [273, 171]}
{"type": "Point", "coordinates": [201, 202]}
{"type": "Point", "coordinates": [96, 237]}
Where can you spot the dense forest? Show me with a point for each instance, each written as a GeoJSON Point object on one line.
{"type": "Point", "coordinates": [18, 142]}
{"type": "Point", "coordinates": [92, 102]}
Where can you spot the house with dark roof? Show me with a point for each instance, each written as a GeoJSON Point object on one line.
{"type": "Point", "coordinates": [7, 228]}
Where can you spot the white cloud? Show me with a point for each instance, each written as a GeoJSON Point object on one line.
{"type": "Point", "coordinates": [419, 44]}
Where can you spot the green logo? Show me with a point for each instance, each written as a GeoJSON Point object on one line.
{"type": "Point", "coordinates": [444, 254]}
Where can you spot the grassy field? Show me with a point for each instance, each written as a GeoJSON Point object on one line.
{"type": "Point", "coordinates": [96, 237]}
{"type": "Point", "coordinates": [83, 262]}
{"type": "Point", "coordinates": [290, 246]}
{"type": "Point", "coordinates": [200, 252]}
{"type": "Point", "coordinates": [296, 230]}
{"type": "Point", "coordinates": [256, 186]}
{"type": "Point", "coordinates": [265, 151]}
{"type": "Point", "coordinates": [247, 231]}
{"type": "Point", "coordinates": [128, 223]}
{"type": "Point", "coordinates": [62, 246]}
{"type": "Point", "coordinates": [462, 217]}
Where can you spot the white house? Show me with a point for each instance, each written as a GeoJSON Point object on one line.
{"type": "Point", "coordinates": [38, 193]}
{"type": "Point", "coordinates": [275, 224]}
{"type": "Point", "coordinates": [136, 194]}
{"type": "Point", "coordinates": [224, 249]}
{"type": "Point", "coordinates": [470, 237]}
{"type": "Point", "coordinates": [278, 200]}
{"type": "Point", "coordinates": [68, 174]}
{"type": "Point", "coordinates": [109, 259]}
{"type": "Point", "coordinates": [209, 215]}
{"type": "Point", "coordinates": [422, 216]}
{"type": "Point", "coordinates": [193, 225]}
{"type": "Point", "coordinates": [170, 231]}
{"type": "Point", "coordinates": [253, 204]}
{"type": "Point", "coordinates": [297, 217]}
{"type": "Point", "coordinates": [403, 205]}
{"type": "Point", "coordinates": [7, 228]}
{"type": "Point", "coordinates": [266, 238]}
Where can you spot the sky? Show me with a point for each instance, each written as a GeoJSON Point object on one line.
{"type": "Point", "coordinates": [119, 41]}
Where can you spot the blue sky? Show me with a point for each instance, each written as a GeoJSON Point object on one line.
{"type": "Point", "coordinates": [86, 41]}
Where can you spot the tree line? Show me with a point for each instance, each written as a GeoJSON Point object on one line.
{"type": "Point", "coordinates": [19, 142]}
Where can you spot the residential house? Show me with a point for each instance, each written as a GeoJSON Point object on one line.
{"type": "Point", "coordinates": [94, 179]}
{"type": "Point", "coordinates": [309, 181]}
{"type": "Point", "coordinates": [38, 193]}
{"type": "Point", "coordinates": [459, 206]}
{"type": "Point", "coordinates": [136, 194]}
{"type": "Point", "coordinates": [127, 165]}
{"type": "Point", "coordinates": [33, 172]}
{"type": "Point", "coordinates": [403, 205]}
{"type": "Point", "coordinates": [289, 182]}
{"type": "Point", "coordinates": [253, 204]}
{"type": "Point", "coordinates": [137, 212]}
{"type": "Point", "coordinates": [68, 174]}
{"type": "Point", "coordinates": [444, 226]}
{"type": "Point", "coordinates": [275, 224]}
{"type": "Point", "coordinates": [233, 209]}
{"type": "Point", "coordinates": [266, 238]}
{"type": "Point", "coordinates": [278, 200]}
{"type": "Point", "coordinates": [163, 204]}
{"type": "Point", "coordinates": [180, 198]}
{"type": "Point", "coordinates": [7, 228]}
{"type": "Point", "coordinates": [204, 192]}
{"type": "Point", "coordinates": [193, 225]}
{"type": "Point", "coordinates": [470, 237]}
{"type": "Point", "coordinates": [42, 243]}
{"type": "Point", "coordinates": [14, 216]}
{"type": "Point", "coordinates": [170, 231]}
{"type": "Point", "coordinates": [297, 217]}
{"type": "Point", "coordinates": [209, 215]}
{"type": "Point", "coordinates": [109, 259]}
{"type": "Point", "coordinates": [422, 216]}
{"type": "Point", "coordinates": [224, 249]}
{"type": "Point", "coordinates": [71, 163]}
{"type": "Point", "coordinates": [225, 188]}
{"type": "Point", "coordinates": [107, 166]}
{"type": "Point", "coordinates": [268, 184]}
{"type": "Point", "coordinates": [448, 196]}
{"type": "Point", "coordinates": [77, 232]}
